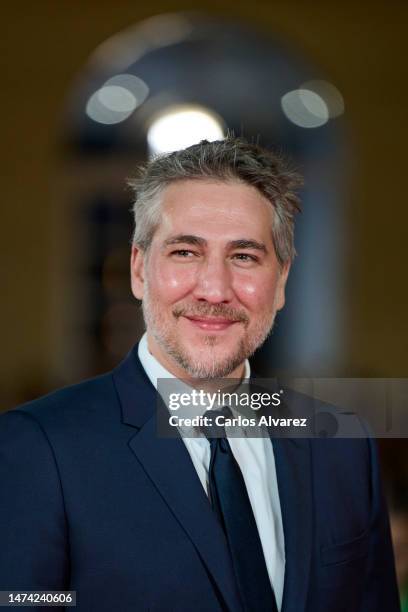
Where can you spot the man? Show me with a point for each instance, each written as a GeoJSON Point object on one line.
{"type": "Point", "coordinates": [94, 500]}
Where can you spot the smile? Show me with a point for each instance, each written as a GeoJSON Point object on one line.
{"type": "Point", "coordinates": [211, 323]}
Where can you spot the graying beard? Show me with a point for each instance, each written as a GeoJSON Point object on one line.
{"type": "Point", "coordinates": [215, 370]}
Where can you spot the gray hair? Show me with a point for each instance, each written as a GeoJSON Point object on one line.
{"type": "Point", "coordinates": [232, 159]}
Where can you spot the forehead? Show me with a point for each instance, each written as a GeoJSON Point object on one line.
{"type": "Point", "coordinates": [215, 209]}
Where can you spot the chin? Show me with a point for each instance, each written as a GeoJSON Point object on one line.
{"type": "Point", "coordinates": [211, 361]}
{"type": "Point", "coordinates": [210, 348]}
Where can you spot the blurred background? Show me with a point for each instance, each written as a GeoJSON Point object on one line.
{"type": "Point", "coordinates": [90, 89]}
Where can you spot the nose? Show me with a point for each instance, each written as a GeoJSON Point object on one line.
{"type": "Point", "coordinates": [213, 281]}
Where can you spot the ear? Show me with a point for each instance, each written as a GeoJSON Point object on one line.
{"type": "Point", "coordinates": [137, 272]}
{"type": "Point", "coordinates": [280, 287]}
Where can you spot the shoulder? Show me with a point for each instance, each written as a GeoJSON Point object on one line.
{"type": "Point", "coordinates": [325, 420]}
{"type": "Point", "coordinates": [338, 436]}
{"type": "Point", "coordinates": [79, 402]}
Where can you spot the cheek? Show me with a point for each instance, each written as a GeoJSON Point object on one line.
{"type": "Point", "coordinates": [171, 282]}
{"type": "Point", "coordinates": [256, 292]}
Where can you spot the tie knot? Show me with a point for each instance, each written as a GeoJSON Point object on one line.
{"type": "Point", "coordinates": [225, 411]}
{"type": "Point", "coordinates": [215, 428]}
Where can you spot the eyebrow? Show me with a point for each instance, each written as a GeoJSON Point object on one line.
{"type": "Point", "coordinates": [240, 243]}
{"type": "Point", "coordinates": [185, 239]}
{"type": "Point", "coordinates": [245, 243]}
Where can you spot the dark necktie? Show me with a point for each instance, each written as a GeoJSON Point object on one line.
{"type": "Point", "coordinates": [230, 501]}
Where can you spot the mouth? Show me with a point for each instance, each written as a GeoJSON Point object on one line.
{"type": "Point", "coordinates": [212, 324]}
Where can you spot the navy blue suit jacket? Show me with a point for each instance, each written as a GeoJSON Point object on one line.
{"type": "Point", "coordinates": [93, 501]}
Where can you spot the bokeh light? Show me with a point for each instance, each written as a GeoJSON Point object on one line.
{"type": "Point", "coordinates": [181, 126]}
{"type": "Point", "coordinates": [305, 108]}
{"type": "Point", "coordinates": [329, 93]}
{"type": "Point", "coordinates": [116, 100]}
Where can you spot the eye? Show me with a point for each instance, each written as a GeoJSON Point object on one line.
{"type": "Point", "coordinates": [182, 253]}
{"type": "Point", "coordinates": [245, 257]}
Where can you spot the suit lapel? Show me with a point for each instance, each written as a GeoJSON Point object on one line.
{"type": "Point", "coordinates": [167, 463]}
{"type": "Point", "coordinates": [293, 469]}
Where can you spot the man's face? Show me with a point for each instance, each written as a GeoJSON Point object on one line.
{"type": "Point", "coordinates": [210, 282]}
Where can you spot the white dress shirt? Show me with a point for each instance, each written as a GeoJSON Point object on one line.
{"type": "Point", "coordinates": [256, 460]}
